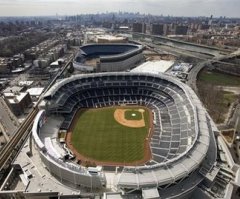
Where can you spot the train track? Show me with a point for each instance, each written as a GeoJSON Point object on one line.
{"type": "Point", "coordinates": [10, 150]}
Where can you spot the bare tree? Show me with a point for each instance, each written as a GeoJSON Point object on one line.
{"type": "Point", "coordinates": [212, 97]}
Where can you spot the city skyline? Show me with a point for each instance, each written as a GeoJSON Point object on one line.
{"type": "Point", "coordinates": [228, 8]}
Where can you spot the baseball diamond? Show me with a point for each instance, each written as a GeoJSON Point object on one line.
{"type": "Point", "coordinates": [99, 136]}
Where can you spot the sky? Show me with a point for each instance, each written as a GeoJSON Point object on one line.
{"type": "Point", "coordinates": [228, 8]}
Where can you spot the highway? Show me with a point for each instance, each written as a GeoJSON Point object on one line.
{"type": "Point", "coordinates": [191, 81]}
{"type": "Point", "coordinates": [192, 76]}
{"type": "Point", "coordinates": [177, 51]}
{"type": "Point", "coordinates": [205, 60]}
{"type": "Point", "coordinates": [11, 149]}
{"type": "Point", "coordinates": [183, 44]}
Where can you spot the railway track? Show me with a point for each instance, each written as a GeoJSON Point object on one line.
{"type": "Point", "coordinates": [10, 150]}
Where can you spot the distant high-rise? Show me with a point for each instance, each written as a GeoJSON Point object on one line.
{"type": "Point", "coordinates": [204, 27]}
{"type": "Point", "coordinates": [139, 27]}
{"type": "Point", "coordinates": [180, 30]}
{"type": "Point", "coordinates": [166, 29]}
{"type": "Point", "coordinates": [106, 24]}
{"type": "Point", "coordinates": [210, 20]}
{"type": "Point", "coordinates": [157, 29]}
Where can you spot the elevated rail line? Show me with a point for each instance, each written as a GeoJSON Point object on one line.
{"type": "Point", "coordinates": [10, 150]}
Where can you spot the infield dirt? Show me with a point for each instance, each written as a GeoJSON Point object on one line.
{"type": "Point", "coordinates": [119, 115]}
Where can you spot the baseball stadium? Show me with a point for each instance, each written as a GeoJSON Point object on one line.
{"type": "Point", "coordinates": [126, 132]}
{"type": "Point", "coordinates": [108, 57]}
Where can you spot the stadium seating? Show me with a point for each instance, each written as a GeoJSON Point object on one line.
{"type": "Point", "coordinates": [180, 138]}
{"type": "Point", "coordinates": [173, 126]}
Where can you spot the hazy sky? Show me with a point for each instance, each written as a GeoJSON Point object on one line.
{"type": "Point", "coordinates": [229, 8]}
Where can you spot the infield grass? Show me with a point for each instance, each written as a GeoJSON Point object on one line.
{"type": "Point", "coordinates": [98, 136]}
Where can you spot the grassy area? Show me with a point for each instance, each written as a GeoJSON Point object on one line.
{"type": "Point", "coordinates": [133, 114]}
{"type": "Point", "coordinates": [217, 78]}
{"type": "Point", "coordinates": [98, 136]}
{"type": "Point", "coordinates": [227, 99]}
{"type": "Point", "coordinates": [216, 100]}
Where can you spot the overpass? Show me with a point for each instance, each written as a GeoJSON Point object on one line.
{"type": "Point", "coordinates": [192, 76]}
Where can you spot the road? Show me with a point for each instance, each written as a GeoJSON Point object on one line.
{"type": "Point", "coordinates": [206, 59]}
{"type": "Point", "coordinates": [161, 48]}
{"type": "Point", "coordinates": [210, 50]}
{"type": "Point", "coordinates": [192, 76]}
{"type": "Point", "coordinates": [195, 70]}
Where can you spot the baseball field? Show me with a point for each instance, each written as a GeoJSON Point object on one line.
{"type": "Point", "coordinates": [111, 135]}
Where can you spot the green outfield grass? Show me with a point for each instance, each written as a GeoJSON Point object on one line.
{"type": "Point", "coordinates": [97, 135]}
{"type": "Point", "coordinates": [217, 78]}
{"type": "Point", "coordinates": [133, 114]}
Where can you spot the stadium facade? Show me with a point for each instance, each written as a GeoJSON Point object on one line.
{"type": "Point", "coordinates": [110, 57]}
{"type": "Point", "coordinates": [183, 145]}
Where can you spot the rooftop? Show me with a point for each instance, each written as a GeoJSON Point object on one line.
{"type": "Point", "coordinates": [110, 37]}
{"type": "Point", "coordinates": [150, 193]}
{"type": "Point", "coordinates": [15, 98]}
{"type": "Point", "coordinates": [35, 91]}
{"type": "Point", "coordinates": [13, 89]}
{"type": "Point", "coordinates": [154, 67]}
